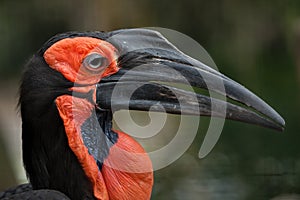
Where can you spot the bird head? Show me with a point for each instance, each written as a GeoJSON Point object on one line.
{"type": "Point", "coordinates": [74, 83]}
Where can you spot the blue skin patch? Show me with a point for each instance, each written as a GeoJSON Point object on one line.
{"type": "Point", "coordinates": [98, 136]}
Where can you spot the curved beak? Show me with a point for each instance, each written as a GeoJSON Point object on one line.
{"type": "Point", "coordinates": [155, 75]}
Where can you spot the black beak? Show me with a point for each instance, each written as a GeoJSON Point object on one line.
{"type": "Point", "coordinates": [151, 67]}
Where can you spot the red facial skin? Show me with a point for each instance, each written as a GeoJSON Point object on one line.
{"type": "Point", "coordinates": [127, 171]}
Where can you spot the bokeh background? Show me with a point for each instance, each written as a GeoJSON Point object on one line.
{"type": "Point", "coordinates": [257, 43]}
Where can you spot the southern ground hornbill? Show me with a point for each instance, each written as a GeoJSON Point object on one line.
{"type": "Point", "coordinates": [67, 100]}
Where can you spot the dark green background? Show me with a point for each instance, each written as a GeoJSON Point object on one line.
{"type": "Point", "coordinates": [257, 43]}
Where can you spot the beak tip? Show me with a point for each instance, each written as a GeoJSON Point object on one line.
{"type": "Point", "coordinates": [280, 126]}
{"type": "Point", "coordinates": [280, 122]}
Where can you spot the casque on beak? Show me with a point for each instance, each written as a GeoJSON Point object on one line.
{"type": "Point", "coordinates": [149, 64]}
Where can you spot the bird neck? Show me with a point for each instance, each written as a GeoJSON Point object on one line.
{"type": "Point", "coordinates": [122, 167]}
{"type": "Point", "coordinates": [47, 157]}
{"type": "Point", "coordinates": [116, 165]}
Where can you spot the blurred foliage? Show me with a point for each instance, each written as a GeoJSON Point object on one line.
{"type": "Point", "coordinates": [257, 43]}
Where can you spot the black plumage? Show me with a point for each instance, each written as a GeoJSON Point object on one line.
{"type": "Point", "coordinates": [47, 157]}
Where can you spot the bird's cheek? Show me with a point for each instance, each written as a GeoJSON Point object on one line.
{"type": "Point", "coordinates": [84, 78]}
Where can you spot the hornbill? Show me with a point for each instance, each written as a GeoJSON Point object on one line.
{"type": "Point", "coordinates": [67, 101]}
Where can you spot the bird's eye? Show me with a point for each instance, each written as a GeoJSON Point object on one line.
{"type": "Point", "coordinates": [95, 61]}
